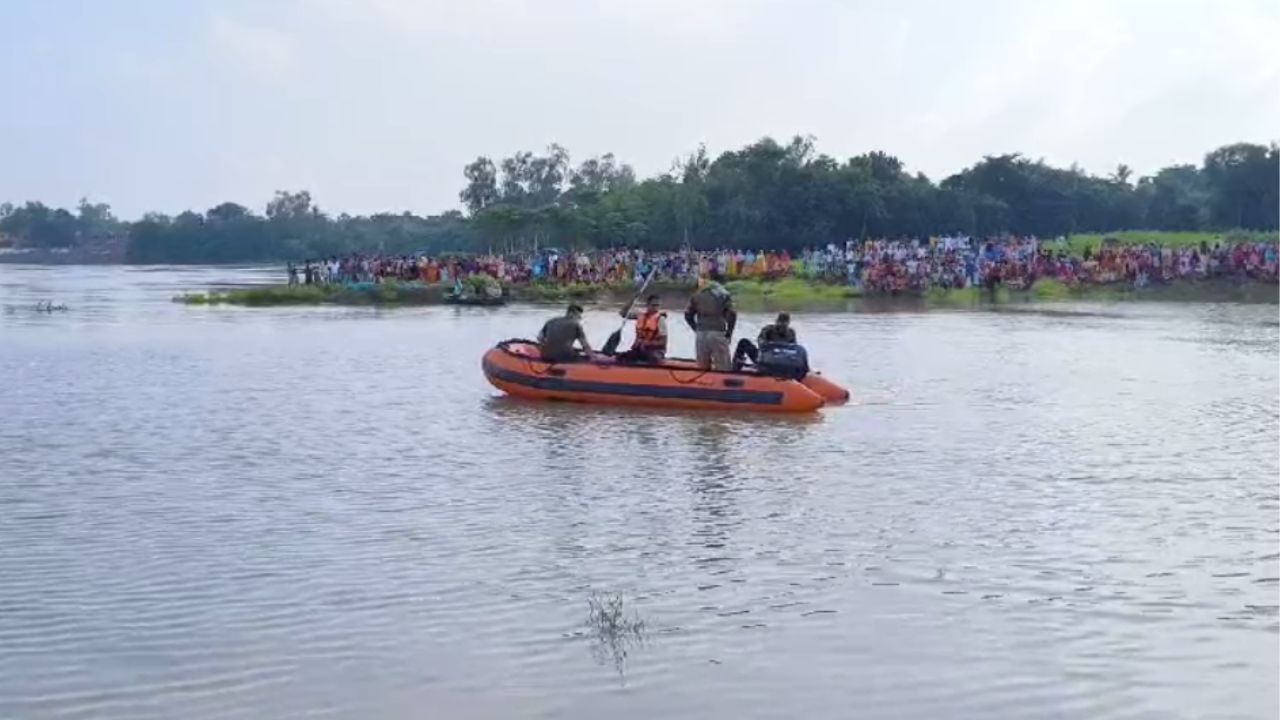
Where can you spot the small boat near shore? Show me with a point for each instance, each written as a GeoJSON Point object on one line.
{"type": "Point", "coordinates": [516, 367]}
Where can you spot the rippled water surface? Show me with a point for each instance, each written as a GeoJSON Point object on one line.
{"type": "Point", "coordinates": [227, 512]}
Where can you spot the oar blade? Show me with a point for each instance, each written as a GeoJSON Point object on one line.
{"type": "Point", "coordinates": [611, 345]}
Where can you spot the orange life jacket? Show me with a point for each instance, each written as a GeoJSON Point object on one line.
{"type": "Point", "coordinates": [649, 336]}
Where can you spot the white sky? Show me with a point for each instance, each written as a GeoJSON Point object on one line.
{"type": "Point", "coordinates": [376, 105]}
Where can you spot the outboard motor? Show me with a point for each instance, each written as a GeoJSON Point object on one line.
{"type": "Point", "coordinates": [786, 360]}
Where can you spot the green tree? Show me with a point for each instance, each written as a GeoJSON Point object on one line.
{"type": "Point", "coordinates": [599, 175]}
{"type": "Point", "coordinates": [690, 199]}
{"type": "Point", "coordinates": [36, 225]}
{"type": "Point", "coordinates": [96, 220]}
{"type": "Point", "coordinates": [482, 185]}
{"type": "Point", "coordinates": [287, 206]}
{"type": "Point", "coordinates": [1242, 180]}
{"type": "Point", "coordinates": [1176, 198]}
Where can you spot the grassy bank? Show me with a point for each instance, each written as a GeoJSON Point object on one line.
{"type": "Point", "coordinates": [393, 293]}
{"type": "Point", "coordinates": [790, 289]}
{"type": "Point", "coordinates": [788, 294]}
{"type": "Point", "coordinates": [1077, 243]}
{"type": "Point", "coordinates": [368, 294]}
{"type": "Point", "coordinates": [1048, 291]}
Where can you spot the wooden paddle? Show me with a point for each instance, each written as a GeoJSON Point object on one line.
{"type": "Point", "coordinates": [611, 345]}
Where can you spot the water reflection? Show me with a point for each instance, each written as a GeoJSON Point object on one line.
{"type": "Point", "coordinates": [712, 485]}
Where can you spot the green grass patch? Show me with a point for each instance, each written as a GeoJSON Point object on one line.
{"type": "Point", "coordinates": [389, 293]}
{"type": "Point", "coordinates": [790, 290]}
{"type": "Point", "coordinates": [1049, 291]}
{"type": "Point", "coordinates": [1076, 244]}
{"type": "Point", "coordinates": [1216, 290]}
{"type": "Point", "coordinates": [553, 292]}
{"type": "Point", "coordinates": [957, 297]}
{"type": "Point", "coordinates": [258, 297]}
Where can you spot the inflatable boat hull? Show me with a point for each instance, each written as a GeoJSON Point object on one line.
{"type": "Point", "coordinates": [830, 392]}
{"type": "Point", "coordinates": [516, 368]}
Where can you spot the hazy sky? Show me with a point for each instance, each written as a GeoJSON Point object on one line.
{"type": "Point", "coordinates": [376, 105]}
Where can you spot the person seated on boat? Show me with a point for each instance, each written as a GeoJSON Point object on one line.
{"type": "Point", "coordinates": [780, 332]}
{"type": "Point", "coordinates": [650, 345]}
{"type": "Point", "coordinates": [558, 335]}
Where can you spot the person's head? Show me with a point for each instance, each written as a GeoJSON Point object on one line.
{"type": "Point", "coordinates": [716, 276]}
{"type": "Point", "coordinates": [652, 303]}
{"type": "Point", "coordinates": [784, 320]}
{"type": "Point", "coordinates": [575, 311]}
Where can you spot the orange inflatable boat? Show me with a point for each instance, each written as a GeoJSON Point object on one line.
{"type": "Point", "coordinates": [516, 368]}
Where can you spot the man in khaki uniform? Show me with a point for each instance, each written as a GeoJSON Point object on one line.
{"type": "Point", "coordinates": [558, 335]}
{"type": "Point", "coordinates": [712, 317]}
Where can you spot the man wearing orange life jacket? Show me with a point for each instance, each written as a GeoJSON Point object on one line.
{"type": "Point", "coordinates": [650, 345]}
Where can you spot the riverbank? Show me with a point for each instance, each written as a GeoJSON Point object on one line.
{"type": "Point", "coordinates": [791, 292]}
{"type": "Point", "coordinates": [788, 294]}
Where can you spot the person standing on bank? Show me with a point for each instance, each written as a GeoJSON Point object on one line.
{"type": "Point", "coordinates": [712, 317]}
{"type": "Point", "coordinates": [558, 335]}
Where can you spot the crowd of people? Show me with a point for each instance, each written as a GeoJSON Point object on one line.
{"type": "Point", "coordinates": [873, 266]}
{"type": "Point", "coordinates": [888, 267]}
{"type": "Point", "coordinates": [597, 266]}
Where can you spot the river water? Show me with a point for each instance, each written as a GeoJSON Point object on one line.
{"type": "Point", "coordinates": [1062, 512]}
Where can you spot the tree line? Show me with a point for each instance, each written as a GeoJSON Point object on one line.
{"type": "Point", "coordinates": [765, 195]}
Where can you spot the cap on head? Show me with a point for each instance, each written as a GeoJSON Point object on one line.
{"type": "Point", "coordinates": [784, 318]}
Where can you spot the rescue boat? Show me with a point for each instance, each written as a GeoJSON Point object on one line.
{"type": "Point", "coordinates": [516, 367]}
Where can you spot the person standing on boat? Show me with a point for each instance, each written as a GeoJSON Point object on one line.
{"type": "Point", "coordinates": [712, 317]}
{"type": "Point", "coordinates": [558, 335]}
{"type": "Point", "coordinates": [650, 345]}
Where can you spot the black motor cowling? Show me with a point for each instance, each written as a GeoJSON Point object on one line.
{"type": "Point", "coordinates": [786, 360]}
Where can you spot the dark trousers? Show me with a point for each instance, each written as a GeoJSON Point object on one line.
{"type": "Point", "coordinates": [746, 349]}
{"type": "Point", "coordinates": [636, 356]}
